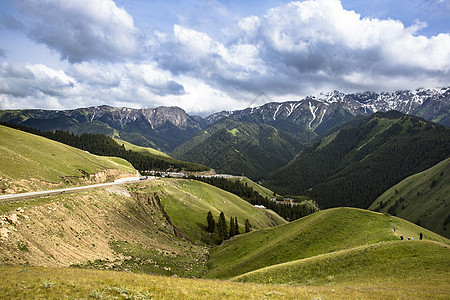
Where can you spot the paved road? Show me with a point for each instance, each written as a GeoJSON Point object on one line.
{"type": "Point", "coordinates": [12, 197]}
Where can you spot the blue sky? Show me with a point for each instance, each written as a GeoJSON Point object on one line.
{"type": "Point", "coordinates": [206, 56]}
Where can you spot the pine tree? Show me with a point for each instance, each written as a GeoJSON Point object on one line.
{"type": "Point", "coordinates": [247, 226]}
{"type": "Point", "coordinates": [211, 222]}
{"type": "Point", "coordinates": [232, 230]}
{"type": "Point", "coordinates": [236, 226]}
{"type": "Point", "coordinates": [222, 227]}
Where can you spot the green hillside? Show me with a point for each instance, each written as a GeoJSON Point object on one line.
{"type": "Point", "coordinates": [187, 202]}
{"type": "Point", "coordinates": [143, 160]}
{"type": "Point", "coordinates": [238, 148]}
{"type": "Point", "coordinates": [26, 156]}
{"type": "Point", "coordinates": [388, 262]}
{"type": "Point", "coordinates": [355, 165]}
{"type": "Point", "coordinates": [422, 198]}
{"type": "Point", "coordinates": [130, 146]}
{"type": "Point", "coordinates": [320, 233]}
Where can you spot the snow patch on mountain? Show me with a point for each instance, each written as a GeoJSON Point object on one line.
{"type": "Point", "coordinates": [313, 110]}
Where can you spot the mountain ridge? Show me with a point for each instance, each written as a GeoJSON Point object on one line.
{"type": "Point", "coordinates": [167, 127]}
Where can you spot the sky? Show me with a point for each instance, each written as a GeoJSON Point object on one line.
{"type": "Point", "coordinates": [211, 55]}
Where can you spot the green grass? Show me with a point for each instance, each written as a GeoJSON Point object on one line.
{"type": "Point", "coordinates": [263, 191]}
{"type": "Point", "coordinates": [188, 201]}
{"type": "Point", "coordinates": [338, 253]}
{"type": "Point", "coordinates": [422, 198]}
{"type": "Point", "coordinates": [25, 156]}
{"type": "Point", "coordinates": [60, 283]}
{"type": "Point", "coordinates": [130, 146]}
{"type": "Point", "coordinates": [233, 131]}
{"type": "Point", "coordinates": [397, 261]}
{"type": "Point", "coordinates": [320, 233]}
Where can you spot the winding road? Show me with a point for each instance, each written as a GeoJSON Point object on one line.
{"type": "Point", "coordinates": [15, 197]}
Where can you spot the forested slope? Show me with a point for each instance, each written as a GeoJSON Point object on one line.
{"type": "Point", "coordinates": [238, 148]}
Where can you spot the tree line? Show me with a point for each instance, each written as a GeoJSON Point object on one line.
{"type": "Point", "coordinates": [287, 211]}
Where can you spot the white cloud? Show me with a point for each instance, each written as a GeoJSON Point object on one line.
{"type": "Point", "coordinates": [81, 29]}
{"type": "Point", "coordinates": [86, 84]}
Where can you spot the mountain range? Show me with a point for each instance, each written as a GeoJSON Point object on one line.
{"type": "Point", "coordinates": [166, 128]}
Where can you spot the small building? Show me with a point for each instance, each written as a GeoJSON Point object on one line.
{"type": "Point", "coordinates": [288, 201]}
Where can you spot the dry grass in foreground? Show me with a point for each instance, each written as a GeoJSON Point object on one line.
{"type": "Point", "coordinates": [67, 283]}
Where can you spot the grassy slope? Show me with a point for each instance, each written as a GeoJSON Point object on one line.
{"type": "Point", "coordinates": [25, 156]}
{"type": "Point", "coordinates": [50, 283]}
{"type": "Point", "coordinates": [423, 201]}
{"type": "Point", "coordinates": [188, 201]}
{"type": "Point", "coordinates": [398, 261]}
{"type": "Point", "coordinates": [133, 147]}
{"type": "Point", "coordinates": [323, 232]}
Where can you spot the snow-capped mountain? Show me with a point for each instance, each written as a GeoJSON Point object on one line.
{"type": "Point", "coordinates": [322, 111]}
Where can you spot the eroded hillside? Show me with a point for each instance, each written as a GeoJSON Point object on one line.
{"type": "Point", "coordinates": [124, 227]}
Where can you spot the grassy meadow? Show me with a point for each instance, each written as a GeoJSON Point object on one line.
{"type": "Point", "coordinates": [397, 261]}
{"type": "Point", "coordinates": [123, 227]}
{"type": "Point", "coordinates": [60, 283]}
{"type": "Point", "coordinates": [148, 240]}
{"type": "Point", "coordinates": [187, 202]}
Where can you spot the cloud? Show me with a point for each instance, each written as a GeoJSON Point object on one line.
{"type": "Point", "coordinates": [289, 52]}
{"type": "Point", "coordinates": [10, 22]}
{"type": "Point", "coordinates": [305, 47]}
{"type": "Point", "coordinates": [81, 29]}
{"type": "Point", "coordinates": [85, 84]}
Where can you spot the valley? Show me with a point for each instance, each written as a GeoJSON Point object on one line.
{"type": "Point", "coordinates": [119, 237]}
